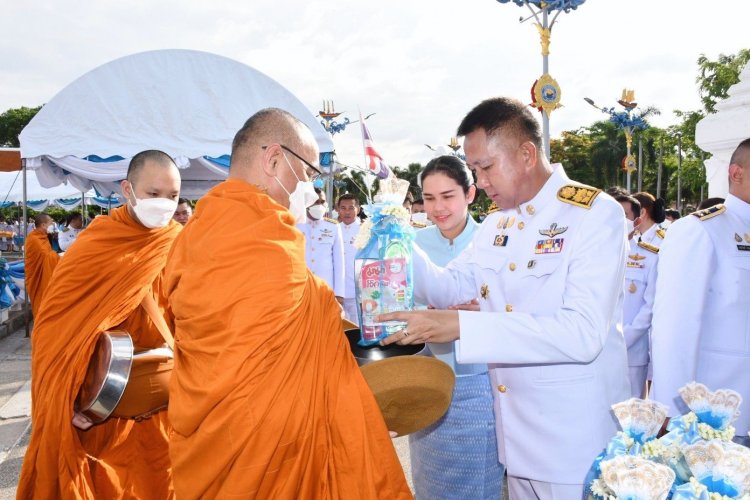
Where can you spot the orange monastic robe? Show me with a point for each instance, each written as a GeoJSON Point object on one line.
{"type": "Point", "coordinates": [266, 399]}
{"type": "Point", "coordinates": [99, 285]}
{"type": "Point", "coordinates": [40, 262]}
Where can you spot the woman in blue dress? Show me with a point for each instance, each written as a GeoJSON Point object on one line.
{"type": "Point", "coordinates": [455, 458]}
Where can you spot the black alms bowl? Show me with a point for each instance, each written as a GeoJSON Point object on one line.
{"type": "Point", "coordinates": [376, 352]}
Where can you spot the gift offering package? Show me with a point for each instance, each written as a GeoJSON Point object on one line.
{"type": "Point", "coordinates": [382, 266]}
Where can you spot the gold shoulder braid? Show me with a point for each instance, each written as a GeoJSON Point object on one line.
{"type": "Point", "coordinates": [578, 195]}
{"type": "Point", "coordinates": [648, 246]}
{"type": "Point", "coordinates": [710, 212]}
{"type": "Point", "coordinates": [492, 208]}
{"type": "Point", "coordinates": [661, 233]}
{"type": "Point", "coordinates": [332, 221]}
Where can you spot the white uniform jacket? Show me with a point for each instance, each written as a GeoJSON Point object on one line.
{"type": "Point", "coordinates": [324, 252]}
{"type": "Point", "coordinates": [701, 325]}
{"type": "Point", "coordinates": [549, 280]}
{"type": "Point", "coordinates": [639, 290]}
{"type": "Point", "coordinates": [349, 233]}
{"type": "Point", "coordinates": [67, 236]}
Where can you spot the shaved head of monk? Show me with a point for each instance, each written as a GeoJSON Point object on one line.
{"type": "Point", "coordinates": [273, 151]}
{"type": "Point", "coordinates": [151, 174]}
{"type": "Point", "coordinates": [42, 222]}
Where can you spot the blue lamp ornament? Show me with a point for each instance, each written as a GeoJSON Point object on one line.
{"type": "Point", "coordinates": [629, 119]}
{"type": "Point", "coordinates": [545, 92]}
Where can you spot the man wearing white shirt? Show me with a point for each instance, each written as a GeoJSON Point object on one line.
{"type": "Point", "coordinates": [324, 246]}
{"type": "Point", "coordinates": [701, 325]}
{"type": "Point", "coordinates": [347, 207]}
{"type": "Point", "coordinates": [71, 231]}
{"type": "Point", "coordinates": [548, 267]}
{"type": "Point", "coordinates": [639, 289]}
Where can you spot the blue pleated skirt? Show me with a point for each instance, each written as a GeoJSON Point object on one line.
{"type": "Point", "coordinates": [456, 458]}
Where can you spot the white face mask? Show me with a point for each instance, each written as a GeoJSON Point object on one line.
{"type": "Point", "coordinates": [630, 226]}
{"type": "Point", "coordinates": [317, 211]}
{"type": "Point", "coordinates": [51, 228]}
{"type": "Point", "coordinates": [153, 212]}
{"type": "Point", "coordinates": [420, 218]}
{"type": "Point", "coordinates": [302, 197]}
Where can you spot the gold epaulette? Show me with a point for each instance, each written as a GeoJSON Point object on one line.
{"type": "Point", "coordinates": [492, 208]}
{"type": "Point", "coordinates": [648, 246]}
{"type": "Point", "coordinates": [578, 195]}
{"type": "Point", "coordinates": [710, 212]}
{"type": "Point", "coordinates": [332, 221]}
{"type": "Point", "coordinates": [661, 233]}
{"type": "Point", "coordinates": [418, 225]}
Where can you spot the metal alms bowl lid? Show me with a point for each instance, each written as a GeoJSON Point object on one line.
{"type": "Point", "coordinates": [368, 354]}
{"type": "Point", "coordinates": [106, 376]}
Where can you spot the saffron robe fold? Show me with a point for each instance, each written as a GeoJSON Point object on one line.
{"type": "Point", "coordinates": [98, 286]}
{"type": "Point", "coordinates": [266, 399]}
{"type": "Point", "coordinates": [39, 265]}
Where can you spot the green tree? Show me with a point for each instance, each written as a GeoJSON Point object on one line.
{"type": "Point", "coordinates": [715, 77]}
{"type": "Point", "coordinates": [12, 122]}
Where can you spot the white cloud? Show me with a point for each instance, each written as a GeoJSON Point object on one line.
{"type": "Point", "coordinates": [419, 65]}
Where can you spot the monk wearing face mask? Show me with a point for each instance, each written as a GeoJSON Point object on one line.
{"type": "Point", "coordinates": [266, 399]}
{"type": "Point", "coordinates": [40, 262]}
{"type": "Point", "coordinates": [101, 283]}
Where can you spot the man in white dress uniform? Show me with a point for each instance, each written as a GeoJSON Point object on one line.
{"type": "Point", "coordinates": [548, 268]}
{"type": "Point", "coordinates": [701, 325]}
{"type": "Point", "coordinates": [347, 207]}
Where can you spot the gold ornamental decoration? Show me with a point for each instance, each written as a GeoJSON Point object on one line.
{"type": "Point", "coordinates": [545, 94]}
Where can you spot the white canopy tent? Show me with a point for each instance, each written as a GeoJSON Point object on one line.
{"type": "Point", "coordinates": [11, 189]}
{"type": "Point", "coordinates": [186, 103]}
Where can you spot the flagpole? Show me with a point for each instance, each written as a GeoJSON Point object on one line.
{"type": "Point", "coordinates": [364, 152]}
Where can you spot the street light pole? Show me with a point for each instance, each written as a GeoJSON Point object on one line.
{"type": "Point", "coordinates": [679, 173]}
{"type": "Point", "coordinates": [658, 173]}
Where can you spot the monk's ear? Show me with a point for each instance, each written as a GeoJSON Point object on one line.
{"type": "Point", "coordinates": [271, 160]}
{"type": "Point", "coordinates": [126, 188]}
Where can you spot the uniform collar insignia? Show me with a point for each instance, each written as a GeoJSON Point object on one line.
{"type": "Point", "coordinates": [747, 237]}
{"type": "Point", "coordinates": [553, 230]}
{"type": "Point", "coordinates": [737, 238]}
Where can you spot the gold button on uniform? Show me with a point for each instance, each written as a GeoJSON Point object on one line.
{"type": "Point", "coordinates": [521, 225]}
{"type": "Point", "coordinates": [508, 308]}
{"type": "Point", "coordinates": [512, 266]}
{"type": "Point", "coordinates": [502, 388]}
{"type": "Point", "coordinates": [530, 209]}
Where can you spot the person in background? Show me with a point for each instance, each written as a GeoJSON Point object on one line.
{"type": "Point", "coordinates": [457, 456]}
{"type": "Point", "coordinates": [418, 206]}
{"type": "Point", "coordinates": [653, 213]}
{"type": "Point", "coordinates": [671, 215]}
{"type": "Point", "coordinates": [347, 207]}
{"type": "Point", "coordinates": [408, 201]}
{"type": "Point", "coordinates": [701, 326]}
{"type": "Point", "coordinates": [639, 289]}
{"type": "Point", "coordinates": [184, 211]}
{"type": "Point", "coordinates": [72, 229]}
{"type": "Point", "coordinates": [324, 246]}
{"type": "Point", "coordinates": [710, 202]}
{"type": "Point", "coordinates": [41, 261]}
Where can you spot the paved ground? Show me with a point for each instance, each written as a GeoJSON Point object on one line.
{"type": "Point", "coordinates": [15, 412]}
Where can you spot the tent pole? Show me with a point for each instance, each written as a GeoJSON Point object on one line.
{"type": "Point", "coordinates": [83, 208]}
{"type": "Point", "coordinates": [25, 275]}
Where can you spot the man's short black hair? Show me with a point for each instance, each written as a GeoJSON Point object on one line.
{"type": "Point", "coordinates": [185, 201]}
{"type": "Point", "coordinates": [140, 159]}
{"type": "Point", "coordinates": [510, 115]}
{"type": "Point", "coordinates": [347, 196]}
{"type": "Point", "coordinates": [635, 205]}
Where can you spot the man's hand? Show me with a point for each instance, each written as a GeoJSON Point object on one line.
{"type": "Point", "coordinates": [81, 421]}
{"type": "Point", "coordinates": [423, 326]}
{"type": "Point", "coordinates": [473, 305]}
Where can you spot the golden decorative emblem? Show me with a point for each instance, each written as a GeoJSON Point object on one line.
{"type": "Point", "coordinates": [648, 246]}
{"type": "Point", "coordinates": [632, 288]}
{"type": "Point", "coordinates": [581, 196]}
{"type": "Point", "coordinates": [636, 257]}
{"type": "Point", "coordinates": [747, 237]}
{"type": "Point", "coordinates": [484, 291]}
{"type": "Point", "coordinates": [629, 164]}
{"type": "Point", "coordinates": [710, 212]}
{"type": "Point", "coordinates": [553, 230]}
{"type": "Point", "coordinates": [661, 233]}
{"type": "Point", "coordinates": [545, 94]}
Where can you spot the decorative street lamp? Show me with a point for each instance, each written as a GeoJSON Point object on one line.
{"type": "Point", "coordinates": [628, 121]}
{"type": "Point", "coordinates": [545, 93]}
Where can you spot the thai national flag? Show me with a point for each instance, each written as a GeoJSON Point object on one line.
{"type": "Point", "coordinates": [374, 161]}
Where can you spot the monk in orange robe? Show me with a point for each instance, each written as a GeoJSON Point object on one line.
{"type": "Point", "coordinates": [40, 262]}
{"type": "Point", "coordinates": [99, 286]}
{"type": "Point", "coordinates": [266, 399]}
